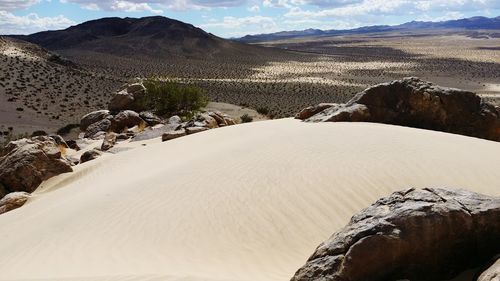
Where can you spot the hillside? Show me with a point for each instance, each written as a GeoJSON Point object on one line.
{"type": "Point", "coordinates": [158, 37]}
{"type": "Point", "coordinates": [39, 90]}
{"type": "Point", "coordinates": [474, 23]}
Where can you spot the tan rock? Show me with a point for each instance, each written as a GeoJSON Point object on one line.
{"type": "Point", "coordinates": [28, 162]}
{"type": "Point", "coordinates": [13, 201]}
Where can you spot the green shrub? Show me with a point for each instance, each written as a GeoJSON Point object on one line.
{"type": "Point", "coordinates": [245, 118]}
{"type": "Point", "coordinates": [171, 98]}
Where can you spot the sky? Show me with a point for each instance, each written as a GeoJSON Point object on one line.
{"type": "Point", "coordinates": [235, 18]}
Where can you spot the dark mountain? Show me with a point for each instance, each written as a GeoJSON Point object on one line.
{"type": "Point", "coordinates": [149, 36]}
{"type": "Point", "coordinates": [467, 24]}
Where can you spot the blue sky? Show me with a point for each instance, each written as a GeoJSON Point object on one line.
{"type": "Point", "coordinates": [231, 18]}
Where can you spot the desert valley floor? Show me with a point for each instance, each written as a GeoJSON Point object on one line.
{"type": "Point", "coordinates": [305, 71]}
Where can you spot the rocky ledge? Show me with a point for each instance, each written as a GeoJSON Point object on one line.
{"type": "Point", "coordinates": [414, 103]}
{"type": "Point", "coordinates": [428, 234]}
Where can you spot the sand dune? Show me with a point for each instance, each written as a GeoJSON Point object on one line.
{"type": "Point", "coordinates": [243, 203]}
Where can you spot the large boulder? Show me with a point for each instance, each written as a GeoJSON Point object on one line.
{"type": "Point", "coordinates": [13, 201]}
{"type": "Point", "coordinates": [93, 117]}
{"type": "Point", "coordinates": [415, 103]}
{"type": "Point", "coordinates": [129, 98]}
{"type": "Point", "coordinates": [429, 234]}
{"type": "Point", "coordinates": [126, 119]}
{"type": "Point", "coordinates": [28, 162]}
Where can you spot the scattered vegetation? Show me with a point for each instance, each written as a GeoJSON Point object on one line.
{"type": "Point", "coordinates": [67, 129]}
{"type": "Point", "coordinates": [245, 118]}
{"type": "Point", "coordinates": [171, 98]}
{"type": "Point", "coordinates": [263, 111]}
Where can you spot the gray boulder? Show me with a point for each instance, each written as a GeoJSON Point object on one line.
{"type": "Point", "coordinates": [428, 234]}
{"type": "Point", "coordinates": [93, 117]}
{"type": "Point", "coordinates": [28, 162]}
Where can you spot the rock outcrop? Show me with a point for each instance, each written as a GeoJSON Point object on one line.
{"type": "Point", "coordinates": [128, 99]}
{"type": "Point", "coordinates": [415, 103]}
{"type": "Point", "coordinates": [13, 201]}
{"type": "Point", "coordinates": [28, 162]}
{"type": "Point", "coordinates": [429, 234]}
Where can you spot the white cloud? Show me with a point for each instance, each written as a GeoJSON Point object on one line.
{"type": "Point", "coordinates": [244, 25]}
{"type": "Point", "coordinates": [10, 5]}
{"type": "Point", "coordinates": [127, 6]}
{"type": "Point", "coordinates": [358, 8]}
{"type": "Point", "coordinates": [254, 9]}
{"type": "Point", "coordinates": [12, 24]}
{"type": "Point", "coordinates": [445, 17]}
{"type": "Point", "coordinates": [148, 6]}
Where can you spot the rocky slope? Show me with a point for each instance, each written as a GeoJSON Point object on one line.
{"type": "Point", "coordinates": [414, 103]}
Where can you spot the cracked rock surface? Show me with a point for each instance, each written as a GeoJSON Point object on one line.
{"type": "Point", "coordinates": [428, 234]}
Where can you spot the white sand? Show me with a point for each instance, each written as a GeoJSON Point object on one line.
{"type": "Point", "coordinates": [245, 203]}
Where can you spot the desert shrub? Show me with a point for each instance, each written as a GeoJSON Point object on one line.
{"type": "Point", "coordinates": [245, 118]}
{"type": "Point", "coordinates": [171, 98]}
{"type": "Point", "coordinates": [67, 129]}
{"type": "Point", "coordinates": [263, 110]}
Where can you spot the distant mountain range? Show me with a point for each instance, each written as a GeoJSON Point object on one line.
{"type": "Point", "coordinates": [157, 36]}
{"type": "Point", "coordinates": [468, 24]}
